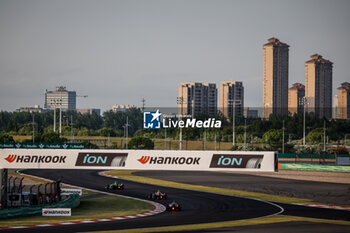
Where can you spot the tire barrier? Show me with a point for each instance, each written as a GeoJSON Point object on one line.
{"type": "Point", "coordinates": [72, 201]}
{"type": "Point", "coordinates": [254, 163]}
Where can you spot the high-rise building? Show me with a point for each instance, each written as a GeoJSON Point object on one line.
{"type": "Point", "coordinates": [61, 98]}
{"type": "Point", "coordinates": [296, 94]}
{"type": "Point", "coordinates": [318, 86]}
{"type": "Point", "coordinates": [231, 92]}
{"type": "Point", "coordinates": [197, 98]}
{"type": "Point", "coordinates": [344, 101]}
{"type": "Point", "coordinates": [275, 78]}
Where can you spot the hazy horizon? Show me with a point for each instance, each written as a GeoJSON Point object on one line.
{"type": "Point", "coordinates": [118, 52]}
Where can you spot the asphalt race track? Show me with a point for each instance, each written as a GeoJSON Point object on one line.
{"type": "Point", "coordinates": [321, 192]}
{"type": "Point", "coordinates": [255, 184]}
{"type": "Point", "coordinates": [198, 207]}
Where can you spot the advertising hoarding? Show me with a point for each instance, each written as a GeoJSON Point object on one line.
{"type": "Point", "coordinates": [57, 212]}
{"type": "Point", "coordinates": [65, 192]}
{"type": "Point", "coordinates": [138, 159]}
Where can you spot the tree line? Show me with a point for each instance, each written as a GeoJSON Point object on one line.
{"type": "Point", "coordinates": [109, 124]}
{"type": "Point", "coordinates": [113, 124]}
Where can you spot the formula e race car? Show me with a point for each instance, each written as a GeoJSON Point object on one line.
{"type": "Point", "coordinates": [173, 206]}
{"type": "Point", "coordinates": [115, 186]}
{"type": "Point", "coordinates": [157, 195]}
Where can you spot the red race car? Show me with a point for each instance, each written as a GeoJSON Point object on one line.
{"type": "Point", "coordinates": [173, 206]}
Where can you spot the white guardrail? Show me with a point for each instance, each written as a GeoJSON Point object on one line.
{"type": "Point", "coordinates": [138, 159]}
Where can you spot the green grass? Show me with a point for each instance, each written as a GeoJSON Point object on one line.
{"type": "Point", "coordinates": [314, 167]}
{"type": "Point", "coordinates": [90, 209]}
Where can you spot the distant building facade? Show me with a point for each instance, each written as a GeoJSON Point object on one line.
{"type": "Point", "coordinates": [275, 78]}
{"type": "Point", "coordinates": [250, 113]}
{"type": "Point", "coordinates": [295, 98]}
{"type": "Point", "coordinates": [231, 92]}
{"type": "Point", "coordinates": [318, 86]}
{"type": "Point", "coordinates": [61, 98]}
{"type": "Point", "coordinates": [89, 111]}
{"type": "Point", "coordinates": [197, 98]}
{"type": "Point", "coordinates": [344, 101]}
{"type": "Point", "coordinates": [335, 107]}
{"type": "Point", "coordinates": [121, 107]}
{"type": "Point", "coordinates": [35, 108]}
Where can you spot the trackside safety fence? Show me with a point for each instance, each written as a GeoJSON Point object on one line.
{"type": "Point", "coordinates": [72, 201]}
{"type": "Point", "coordinates": [325, 159]}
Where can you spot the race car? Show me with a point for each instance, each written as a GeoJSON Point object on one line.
{"type": "Point", "coordinates": [157, 195]}
{"type": "Point", "coordinates": [173, 206]}
{"type": "Point", "coordinates": [115, 186]}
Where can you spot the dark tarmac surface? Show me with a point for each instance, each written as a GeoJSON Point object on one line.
{"type": "Point", "coordinates": [198, 207]}
{"type": "Point", "coordinates": [286, 227]}
{"type": "Point", "coordinates": [322, 192]}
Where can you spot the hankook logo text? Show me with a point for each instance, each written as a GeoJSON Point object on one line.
{"type": "Point", "coordinates": [36, 159]}
{"type": "Point", "coordinates": [169, 160]}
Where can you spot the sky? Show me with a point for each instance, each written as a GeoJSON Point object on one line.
{"type": "Point", "coordinates": [118, 52]}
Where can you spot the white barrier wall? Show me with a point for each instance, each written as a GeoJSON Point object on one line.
{"type": "Point", "coordinates": [138, 159]}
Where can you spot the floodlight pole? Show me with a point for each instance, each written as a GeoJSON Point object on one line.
{"type": "Point", "coordinates": [245, 133]}
{"type": "Point", "coordinates": [234, 116]}
{"type": "Point", "coordinates": [71, 129]}
{"type": "Point", "coordinates": [205, 139]}
{"type": "Point", "coordinates": [180, 136]}
{"type": "Point", "coordinates": [304, 124]}
{"type": "Point", "coordinates": [54, 119]}
{"type": "Point", "coordinates": [324, 135]}
{"type": "Point", "coordinates": [33, 129]}
{"type": "Point", "coordinates": [180, 100]}
{"type": "Point", "coordinates": [283, 137]}
{"type": "Point", "coordinates": [60, 113]}
{"type": "Point", "coordinates": [165, 147]}
{"type": "Point", "coordinates": [304, 102]}
{"type": "Point", "coordinates": [127, 131]}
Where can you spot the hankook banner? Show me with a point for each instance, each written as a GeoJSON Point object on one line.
{"type": "Point", "coordinates": [138, 159]}
{"type": "Point", "coordinates": [57, 212]}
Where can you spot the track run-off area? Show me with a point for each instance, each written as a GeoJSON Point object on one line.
{"type": "Point", "coordinates": [208, 207]}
